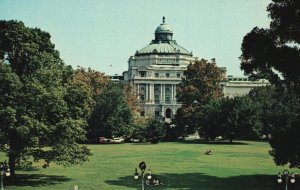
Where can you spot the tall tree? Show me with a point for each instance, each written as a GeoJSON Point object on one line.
{"type": "Point", "coordinates": [112, 115]}
{"type": "Point", "coordinates": [274, 54]}
{"type": "Point", "coordinates": [200, 85]}
{"type": "Point", "coordinates": [265, 97]}
{"type": "Point", "coordinates": [237, 117]}
{"type": "Point", "coordinates": [155, 130]}
{"type": "Point", "coordinates": [33, 110]}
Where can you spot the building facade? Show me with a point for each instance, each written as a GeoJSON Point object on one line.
{"type": "Point", "coordinates": [158, 68]}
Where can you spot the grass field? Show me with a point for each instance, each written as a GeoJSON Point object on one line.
{"type": "Point", "coordinates": [240, 166]}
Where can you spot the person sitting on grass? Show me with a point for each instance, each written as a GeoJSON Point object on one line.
{"type": "Point", "coordinates": [209, 152]}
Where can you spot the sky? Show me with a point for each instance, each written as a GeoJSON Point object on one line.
{"type": "Point", "coordinates": [103, 34]}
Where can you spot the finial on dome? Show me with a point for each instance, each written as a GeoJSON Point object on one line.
{"type": "Point", "coordinates": [164, 19]}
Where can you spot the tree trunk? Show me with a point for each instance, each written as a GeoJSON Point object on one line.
{"type": "Point", "coordinates": [11, 164]}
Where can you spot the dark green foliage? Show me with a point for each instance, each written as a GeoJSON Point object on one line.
{"type": "Point", "coordinates": [244, 118]}
{"type": "Point", "coordinates": [112, 116]}
{"type": "Point", "coordinates": [155, 130]}
{"type": "Point", "coordinates": [274, 54]}
{"type": "Point", "coordinates": [230, 118]}
{"type": "Point", "coordinates": [33, 110]}
{"type": "Point", "coordinates": [266, 53]}
{"type": "Point", "coordinates": [284, 126]}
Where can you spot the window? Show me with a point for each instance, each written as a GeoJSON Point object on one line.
{"type": "Point", "coordinates": [142, 113]}
{"type": "Point", "coordinates": [142, 97]}
{"type": "Point", "coordinates": [167, 75]}
{"type": "Point", "coordinates": [156, 98]}
{"type": "Point", "coordinates": [156, 113]}
{"type": "Point", "coordinates": [178, 75]}
{"type": "Point", "coordinates": [142, 73]}
{"type": "Point", "coordinates": [168, 100]}
{"type": "Point", "coordinates": [156, 74]}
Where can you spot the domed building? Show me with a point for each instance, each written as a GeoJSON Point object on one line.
{"type": "Point", "coordinates": [156, 70]}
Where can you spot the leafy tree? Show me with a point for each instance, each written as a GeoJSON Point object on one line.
{"type": "Point", "coordinates": [112, 115]}
{"type": "Point", "coordinates": [211, 119]}
{"type": "Point", "coordinates": [200, 85]}
{"type": "Point", "coordinates": [138, 129]}
{"type": "Point", "coordinates": [244, 118]}
{"type": "Point", "coordinates": [238, 117]}
{"type": "Point", "coordinates": [83, 88]}
{"type": "Point", "coordinates": [156, 130]}
{"type": "Point", "coordinates": [33, 110]}
{"type": "Point", "coordinates": [265, 97]}
{"type": "Point", "coordinates": [274, 54]}
{"type": "Point", "coordinates": [284, 126]}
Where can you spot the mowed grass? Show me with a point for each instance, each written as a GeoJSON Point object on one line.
{"type": "Point", "coordinates": [240, 166]}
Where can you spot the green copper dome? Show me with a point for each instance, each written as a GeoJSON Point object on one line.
{"type": "Point", "coordinates": [163, 43]}
{"type": "Point", "coordinates": [163, 48]}
{"type": "Point", "coordinates": [164, 28]}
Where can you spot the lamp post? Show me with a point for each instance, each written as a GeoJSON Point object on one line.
{"type": "Point", "coordinates": [286, 177]}
{"type": "Point", "coordinates": [142, 166]}
{"type": "Point", "coordinates": [4, 171]}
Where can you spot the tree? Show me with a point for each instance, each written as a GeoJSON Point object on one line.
{"type": "Point", "coordinates": [200, 85]}
{"type": "Point", "coordinates": [112, 115]}
{"type": "Point", "coordinates": [211, 119]}
{"type": "Point", "coordinates": [243, 118]}
{"type": "Point", "coordinates": [33, 110]}
{"type": "Point", "coordinates": [238, 117]}
{"type": "Point", "coordinates": [156, 130]}
{"type": "Point", "coordinates": [274, 54]}
{"type": "Point", "coordinates": [266, 98]}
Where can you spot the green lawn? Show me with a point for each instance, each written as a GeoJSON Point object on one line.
{"type": "Point", "coordinates": [240, 166]}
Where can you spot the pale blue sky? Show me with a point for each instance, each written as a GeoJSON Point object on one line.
{"type": "Point", "coordinates": [100, 33]}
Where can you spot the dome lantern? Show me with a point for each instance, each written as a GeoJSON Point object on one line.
{"type": "Point", "coordinates": [163, 32]}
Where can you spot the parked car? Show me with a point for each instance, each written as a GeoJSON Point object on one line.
{"type": "Point", "coordinates": [117, 140]}
{"type": "Point", "coordinates": [103, 140]}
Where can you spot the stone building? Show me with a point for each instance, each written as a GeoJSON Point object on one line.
{"type": "Point", "coordinates": [157, 69]}
{"type": "Point", "coordinates": [240, 86]}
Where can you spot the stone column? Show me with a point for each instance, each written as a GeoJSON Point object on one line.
{"type": "Point", "coordinates": [151, 92]}
{"type": "Point", "coordinates": [138, 90]}
{"type": "Point", "coordinates": [146, 92]}
{"type": "Point", "coordinates": [175, 92]}
{"type": "Point", "coordinates": [161, 93]}
{"type": "Point", "coordinates": [172, 94]}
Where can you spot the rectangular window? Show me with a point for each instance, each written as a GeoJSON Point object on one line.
{"type": "Point", "coordinates": [168, 100]}
{"type": "Point", "coordinates": [142, 113]}
{"type": "Point", "coordinates": [156, 98]}
{"type": "Point", "coordinates": [156, 113]}
{"type": "Point", "coordinates": [142, 97]}
{"type": "Point", "coordinates": [142, 73]}
{"type": "Point", "coordinates": [167, 75]}
{"type": "Point", "coordinates": [178, 75]}
{"type": "Point", "coordinates": [156, 75]}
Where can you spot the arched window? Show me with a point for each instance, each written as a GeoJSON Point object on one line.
{"type": "Point", "coordinates": [168, 113]}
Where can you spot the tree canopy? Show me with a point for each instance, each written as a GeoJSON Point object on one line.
{"type": "Point", "coordinates": [273, 53]}
{"type": "Point", "coordinates": [200, 85]}
{"type": "Point", "coordinates": [34, 112]}
{"type": "Point", "coordinates": [112, 115]}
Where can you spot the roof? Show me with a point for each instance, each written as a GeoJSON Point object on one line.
{"type": "Point", "coordinates": [170, 47]}
{"type": "Point", "coordinates": [164, 28]}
